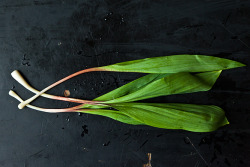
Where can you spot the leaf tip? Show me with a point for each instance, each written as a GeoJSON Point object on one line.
{"type": "Point", "coordinates": [238, 64]}
{"type": "Point", "coordinates": [226, 122]}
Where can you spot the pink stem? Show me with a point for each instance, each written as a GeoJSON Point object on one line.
{"type": "Point", "coordinates": [71, 109]}
{"type": "Point", "coordinates": [23, 104]}
{"type": "Point", "coordinates": [75, 100]}
{"type": "Point", "coordinates": [75, 74]}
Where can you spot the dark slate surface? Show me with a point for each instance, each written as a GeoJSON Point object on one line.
{"type": "Point", "coordinates": [49, 39]}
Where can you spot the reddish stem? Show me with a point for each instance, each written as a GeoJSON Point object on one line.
{"type": "Point", "coordinates": [23, 104]}
{"type": "Point", "coordinates": [75, 100]}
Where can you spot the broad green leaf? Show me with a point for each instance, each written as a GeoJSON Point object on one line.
{"type": "Point", "coordinates": [154, 85]}
{"type": "Point", "coordinates": [126, 89]}
{"type": "Point", "coordinates": [190, 117]}
{"type": "Point", "coordinates": [174, 64]}
{"type": "Point", "coordinates": [131, 87]}
{"type": "Point", "coordinates": [116, 115]}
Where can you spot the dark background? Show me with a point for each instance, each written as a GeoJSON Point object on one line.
{"type": "Point", "coordinates": [47, 40]}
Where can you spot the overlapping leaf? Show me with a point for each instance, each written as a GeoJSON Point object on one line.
{"type": "Point", "coordinates": [197, 118]}
{"type": "Point", "coordinates": [174, 64]}
{"type": "Point", "coordinates": [154, 85]}
{"type": "Point", "coordinates": [190, 117]}
{"type": "Point", "coordinates": [114, 114]}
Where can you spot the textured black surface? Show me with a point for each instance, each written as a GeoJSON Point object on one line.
{"type": "Point", "coordinates": [49, 39]}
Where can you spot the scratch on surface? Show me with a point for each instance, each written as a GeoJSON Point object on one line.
{"type": "Point", "coordinates": [6, 120]}
{"type": "Point", "coordinates": [47, 43]}
{"type": "Point", "coordinates": [143, 144]}
{"type": "Point", "coordinates": [36, 154]}
{"type": "Point", "coordinates": [191, 154]}
{"type": "Point", "coordinates": [26, 4]}
{"type": "Point", "coordinates": [230, 32]}
{"type": "Point", "coordinates": [197, 151]}
{"type": "Point", "coordinates": [225, 22]}
{"type": "Point", "coordinates": [42, 125]}
{"type": "Point", "coordinates": [197, 164]}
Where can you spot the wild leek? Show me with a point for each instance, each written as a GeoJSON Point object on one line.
{"type": "Point", "coordinates": [168, 75]}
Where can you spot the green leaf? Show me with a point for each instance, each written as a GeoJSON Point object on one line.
{"type": "Point", "coordinates": [131, 87]}
{"type": "Point", "coordinates": [126, 89]}
{"type": "Point", "coordinates": [93, 106]}
{"type": "Point", "coordinates": [116, 115]}
{"type": "Point", "coordinates": [190, 117]}
{"type": "Point", "coordinates": [174, 64]}
{"type": "Point", "coordinates": [154, 85]}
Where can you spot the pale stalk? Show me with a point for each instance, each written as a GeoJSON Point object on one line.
{"type": "Point", "coordinates": [71, 109]}
{"type": "Point", "coordinates": [19, 78]}
{"type": "Point", "coordinates": [24, 103]}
